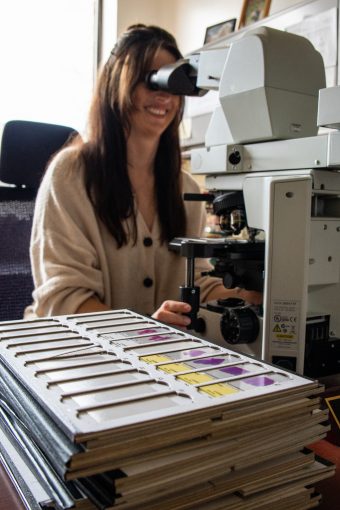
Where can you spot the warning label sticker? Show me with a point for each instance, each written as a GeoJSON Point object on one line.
{"type": "Point", "coordinates": [285, 323]}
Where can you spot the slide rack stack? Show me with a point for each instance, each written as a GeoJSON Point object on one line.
{"type": "Point", "coordinates": [117, 410]}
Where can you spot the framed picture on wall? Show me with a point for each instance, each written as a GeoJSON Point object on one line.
{"type": "Point", "coordinates": [219, 30]}
{"type": "Point", "coordinates": [252, 11]}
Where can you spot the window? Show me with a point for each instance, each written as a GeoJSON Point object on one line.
{"type": "Point", "coordinates": [47, 58]}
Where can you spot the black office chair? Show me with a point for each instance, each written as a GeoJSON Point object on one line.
{"type": "Point", "coordinates": [26, 147]}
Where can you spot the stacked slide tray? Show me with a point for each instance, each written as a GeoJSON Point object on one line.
{"type": "Point", "coordinates": [117, 410]}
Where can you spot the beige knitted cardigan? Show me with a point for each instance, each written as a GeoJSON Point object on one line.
{"type": "Point", "coordinates": [74, 256]}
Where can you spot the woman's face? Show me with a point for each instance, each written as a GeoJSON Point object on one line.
{"type": "Point", "coordinates": [153, 111]}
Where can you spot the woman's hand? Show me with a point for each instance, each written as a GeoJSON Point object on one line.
{"type": "Point", "coordinates": [171, 312]}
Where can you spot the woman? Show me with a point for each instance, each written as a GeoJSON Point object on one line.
{"type": "Point", "coordinates": [108, 206]}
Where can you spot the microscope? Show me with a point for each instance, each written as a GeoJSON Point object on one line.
{"type": "Point", "coordinates": [273, 178]}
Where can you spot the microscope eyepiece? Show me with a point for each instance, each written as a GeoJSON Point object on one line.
{"type": "Point", "coordinates": [178, 79]}
{"type": "Point", "coordinates": [151, 80]}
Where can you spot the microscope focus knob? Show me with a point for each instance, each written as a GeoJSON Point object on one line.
{"type": "Point", "coordinates": [239, 325]}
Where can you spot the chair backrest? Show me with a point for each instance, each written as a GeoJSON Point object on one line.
{"type": "Point", "coordinates": [26, 148]}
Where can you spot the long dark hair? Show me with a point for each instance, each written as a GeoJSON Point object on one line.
{"type": "Point", "coordinates": [104, 152]}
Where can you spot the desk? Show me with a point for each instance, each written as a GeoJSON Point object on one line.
{"type": "Point", "coordinates": [9, 499]}
{"type": "Point", "coordinates": [329, 488]}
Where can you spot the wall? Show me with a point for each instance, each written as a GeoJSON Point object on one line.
{"type": "Point", "coordinates": [150, 12]}
{"type": "Point", "coordinates": [187, 19]}
{"type": "Point", "coordinates": [194, 16]}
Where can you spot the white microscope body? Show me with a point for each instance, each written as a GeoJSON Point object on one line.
{"type": "Point", "coordinates": [268, 90]}
{"type": "Point", "coordinates": [262, 141]}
